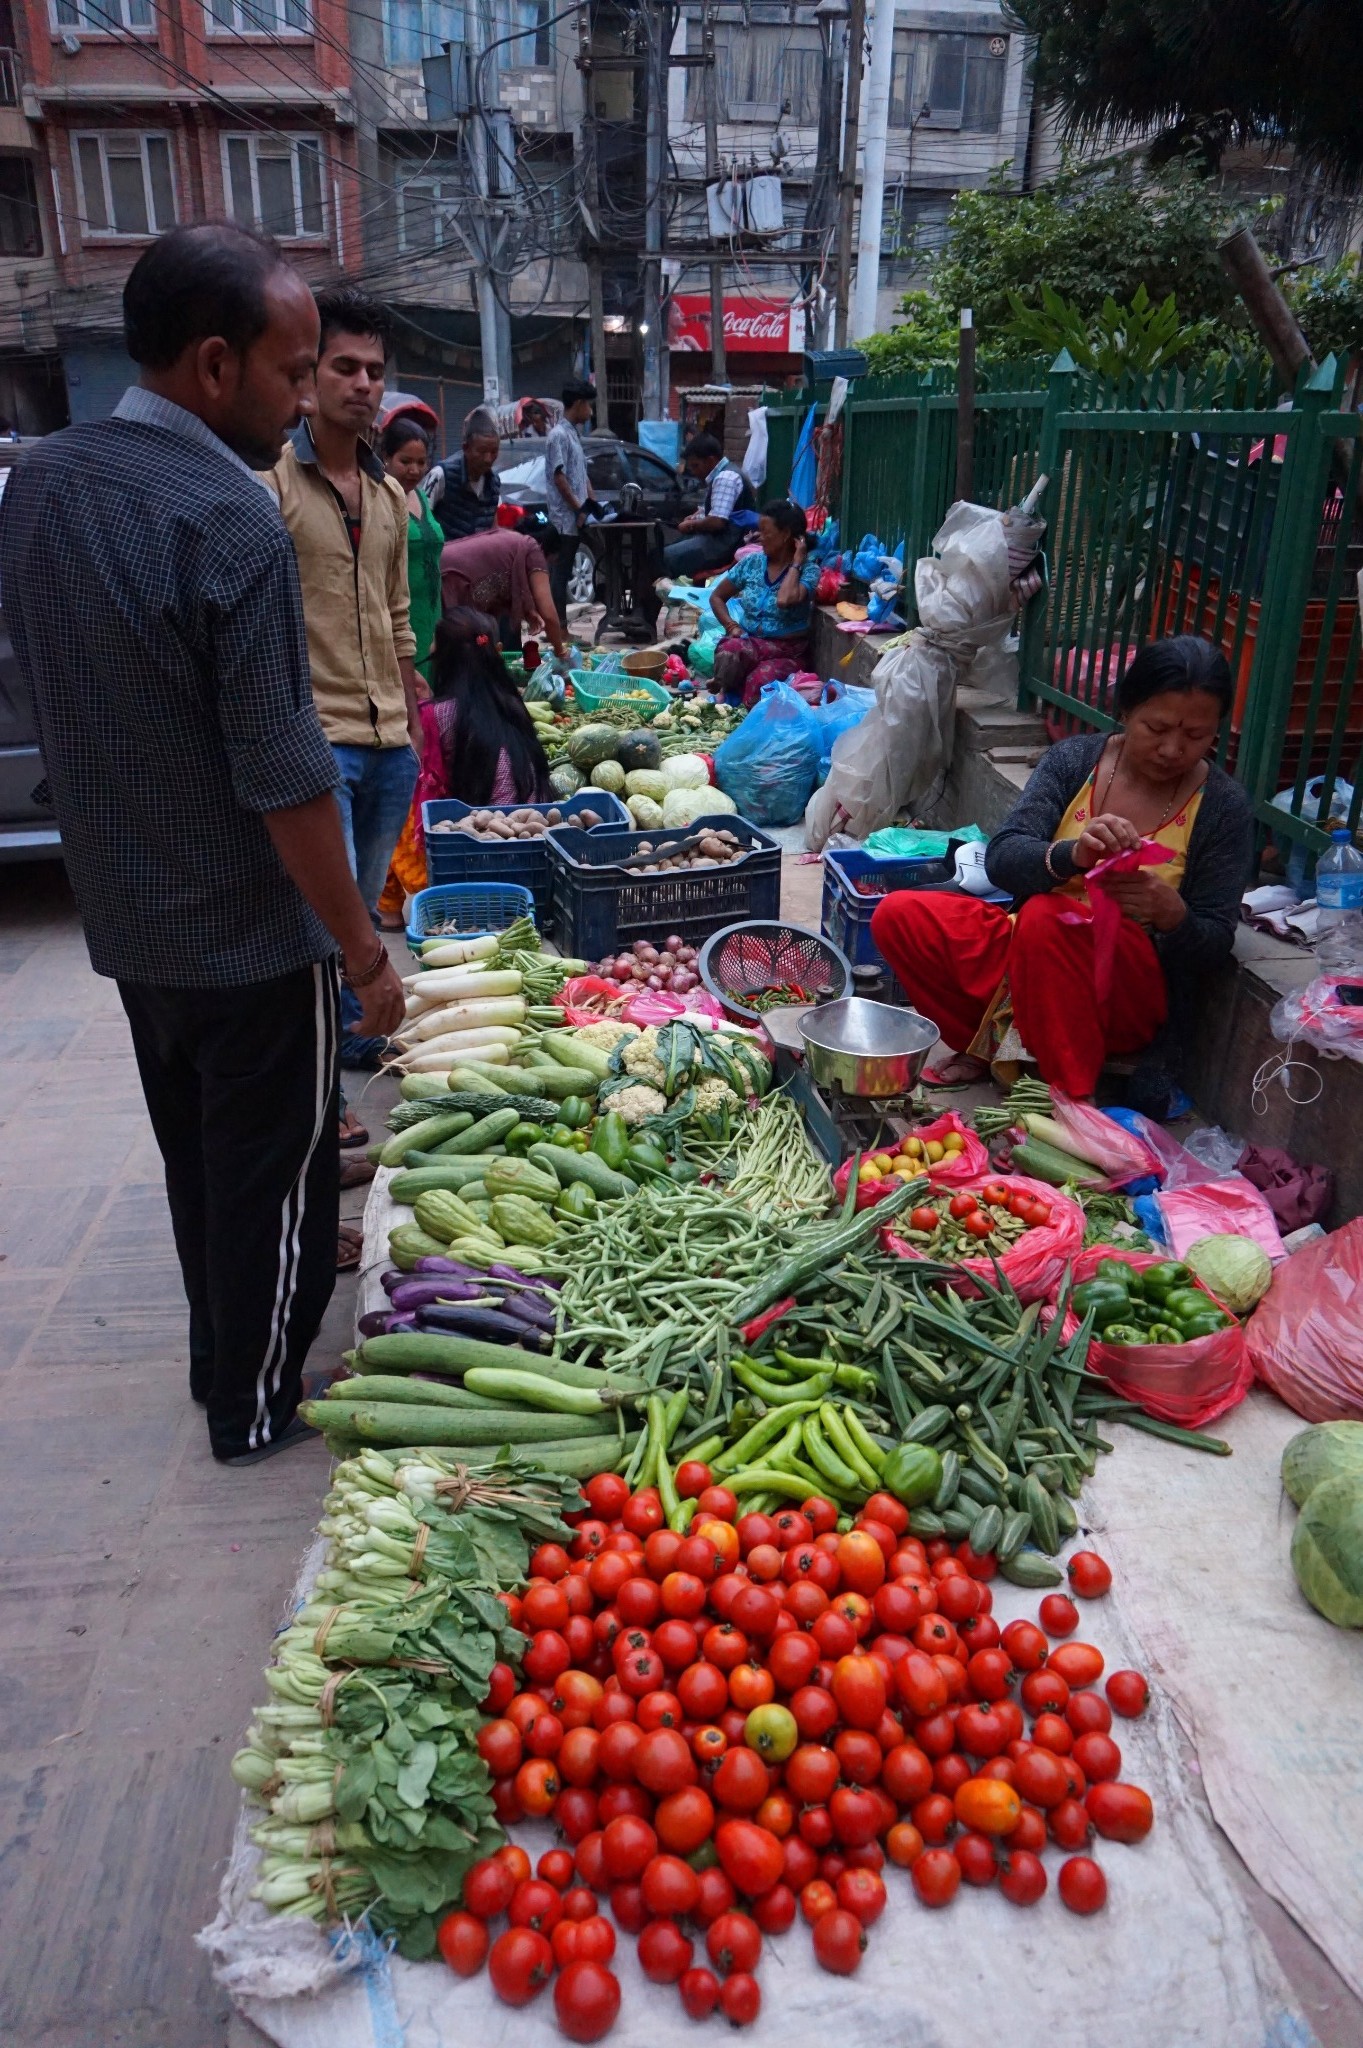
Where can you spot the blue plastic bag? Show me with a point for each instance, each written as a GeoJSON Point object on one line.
{"type": "Point", "coordinates": [841, 706]}
{"type": "Point", "coordinates": [771, 764]}
{"type": "Point", "coordinates": [804, 464]}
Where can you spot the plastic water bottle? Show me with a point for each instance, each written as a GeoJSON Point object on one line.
{"type": "Point", "coordinates": [1339, 900]}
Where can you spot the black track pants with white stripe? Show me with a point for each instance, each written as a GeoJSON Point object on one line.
{"type": "Point", "coordinates": [242, 1088]}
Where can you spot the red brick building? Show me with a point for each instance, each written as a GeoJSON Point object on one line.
{"type": "Point", "coordinates": [145, 113]}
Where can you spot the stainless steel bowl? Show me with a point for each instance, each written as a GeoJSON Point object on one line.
{"type": "Point", "coordinates": [867, 1049]}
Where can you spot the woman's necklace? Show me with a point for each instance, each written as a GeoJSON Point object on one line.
{"type": "Point", "coordinates": [1173, 804]}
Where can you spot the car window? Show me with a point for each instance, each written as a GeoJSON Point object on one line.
{"type": "Point", "coordinates": [528, 475]}
{"type": "Point", "coordinates": [653, 472]}
{"type": "Point", "coordinates": [605, 469]}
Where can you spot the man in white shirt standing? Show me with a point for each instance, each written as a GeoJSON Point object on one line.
{"type": "Point", "coordinates": [567, 488]}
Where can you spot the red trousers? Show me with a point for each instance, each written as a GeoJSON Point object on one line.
{"type": "Point", "coordinates": [952, 952]}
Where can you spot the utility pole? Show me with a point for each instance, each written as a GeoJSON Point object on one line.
{"type": "Point", "coordinates": [821, 206]}
{"type": "Point", "coordinates": [655, 169]}
{"type": "Point", "coordinates": [494, 321]}
{"type": "Point", "coordinates": [847, 193]}
{"type": "Point", "coordinates": [965, 407]}
{"type": "Point", "coordinates": [596, 321]}
{"type": "Point", "coordinates": [719, 369]}
{"type": "Point", "coordinates": [880, 79]}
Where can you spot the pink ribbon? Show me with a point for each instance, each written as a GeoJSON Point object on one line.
{"type": "Point", "coordinates": [1103, 912]}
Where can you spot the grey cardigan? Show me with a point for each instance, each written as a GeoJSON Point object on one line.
{"type": "Point", "coordinates": [1220, 854]}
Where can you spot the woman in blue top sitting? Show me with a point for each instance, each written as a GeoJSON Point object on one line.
{"type": "Point", "coordinates": [775, 588]}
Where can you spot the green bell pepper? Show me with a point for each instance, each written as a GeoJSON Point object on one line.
{"type": "Point", "coordinates": [1109, 1302]}
{"type": "Point", "coordinates": [912, 1473]}
{"type": "Point", "coordinates": [577, 1199]}
{"type": "Point", "coordinates": [1156, 1283]}
{"type": "Point", "coordinates": [561, 1135]}
{"type": "Point", "coordinates": [683, 1172]}
{"type": "Point", "coordinates": [575, 1111]}
{"type": "Point", "coordinates": [1117, 1271]}
{"type": "Point", "coordinates": [521, 1137]}
{"type": "Point", "coordinates": [1205, 1325]}
{"type": "Point", "coordinates": [648, 1155]}
{"type": "Point", "coordinates": [1181, 1303]}
{"type": "Point", "coordinates": [1166, 1333]}
{"type": "Point", "coordinates": [610, 1140]}
{"type": "Point", "coordinates": [1124, 1333]}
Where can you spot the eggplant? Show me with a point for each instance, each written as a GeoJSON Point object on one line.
{"type": "Point", "coordinates": [518, 1279]}
{"type": "Point", "coordinates": [421, 1293]}
{"type": "Point", "coordinates": [534, 1313]}
{"type": "Point", "coordinates": [382, 1322]}
{"type": "Point", "coordinates": [394, 1277]}
{"type": "Point", "coordinates": [488, 1323]}
{"type": "Point", "coordinates": [453, 1269]}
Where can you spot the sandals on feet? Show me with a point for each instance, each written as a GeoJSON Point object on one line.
{"type": "Point", "coordinates": [353, 1132]}
{"type": "Point", "coordinates": [349, 1245]}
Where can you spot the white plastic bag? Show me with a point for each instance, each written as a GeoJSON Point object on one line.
{"type": "Point", "coordinates": [899, 749]}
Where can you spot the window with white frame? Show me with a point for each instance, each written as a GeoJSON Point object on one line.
{"type": "Point", "coordinates": [274, 182]}
{"type": "Point", "coordinates": [111, 16]}
{"type": "Point", "coordinates": [258, 17]}
{"type": "Point", "coordinates": [426, 211]}
{"type": "Point", "coordinates": [127, 186]}
{"type": "Point", "coordinates": [945, 80]}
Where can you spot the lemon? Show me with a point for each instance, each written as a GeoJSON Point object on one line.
{"type": "Point", "coordinates": [934, 1151]}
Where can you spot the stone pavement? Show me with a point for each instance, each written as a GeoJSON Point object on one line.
{"type": "Point", "coordinates": [139, 1581]}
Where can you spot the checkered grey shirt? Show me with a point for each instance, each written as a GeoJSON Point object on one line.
{"type": "Point", "coordinates": [151, 593]}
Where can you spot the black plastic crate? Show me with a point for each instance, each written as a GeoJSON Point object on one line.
{"type": "Point", "coordinates": [458, 857]}
{"type": "Point", "coordinates": [599, 907]}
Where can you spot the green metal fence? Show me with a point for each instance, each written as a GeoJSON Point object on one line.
{"type": "Point", "coordinates": [1203, 503]}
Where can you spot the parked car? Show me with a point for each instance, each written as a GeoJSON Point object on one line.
{"type": "Point", "coordinates": [28, 830]}
{"type": "Point", "coordinates": [611, 465]}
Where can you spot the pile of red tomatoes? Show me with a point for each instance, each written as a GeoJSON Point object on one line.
{"type": "Point", "coordinates": [741, 1726]}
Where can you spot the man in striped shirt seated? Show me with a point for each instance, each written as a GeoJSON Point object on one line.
{"type": "Point", "coordinates": [710, 536]}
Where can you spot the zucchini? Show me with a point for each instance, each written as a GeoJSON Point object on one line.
{"type": "Point", "coordinates": [424, 1351]}
{"type": "Point", "coordinates": [568, 1166]}
{"type": "Point", "coordinates": [367, 1387]}
{"type": "Point", "coordinates": [539, 1390]}
{"type": "Point", "coordinates": [488, 1132]}
{"type": "Point", "coordinates": [1029, 1568]}
{"type": "Point", "coordinates": [560, 1082]}
{"type": "Point", "coordinates": [452, 1175]}
{"type": "Point", "coordinates": [1045, 1162]}
{"type": "Point", "coordinates": [432, 1130]}
{"type": "Point", "coordinates": [388, 1422]}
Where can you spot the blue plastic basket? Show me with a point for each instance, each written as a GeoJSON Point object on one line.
{"type": "Point", "coordinates": [473, 908]}
{"type": "Point", "coordinates": [458, 857]}
{"type": "Point", "coordinates": [600, 908]}
{"type": "Point", "coordinates": [846, 914]}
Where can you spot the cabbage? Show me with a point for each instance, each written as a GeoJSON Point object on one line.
{"type": "Point", "coordinates": [1327, 1550]}
{"type": "Point", "coordinates": [1331, 1450]}
{"type": "Point", "coordinates": [1235, 1268]}
{"type": "Point", "coordinates": [647, 814]}
{"type": "Point", "coordinates": [646, 782]}
{"type": "Point", "coordinates": [684, 806]}
{"type": "Point", "coordinates": [609, 775]}
{"type": "Point", "coordinates": [685, 771]}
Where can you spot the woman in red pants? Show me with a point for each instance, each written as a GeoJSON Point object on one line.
{"type": "Point", "coordinates": [974, 969]}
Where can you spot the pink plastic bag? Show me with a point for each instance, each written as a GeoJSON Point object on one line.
{"type": "Point", "coordinates": [1219, 1208]}
{"type": "Point", "coordinates": [1120, 1153]}
{"type": "Point", "coordinates": [1189, 1384]}
{"type": "Point", "coordinates": [1036, 1263]}
{"type": "Point", "coordinates": [1305, 1339]}
{"type": "Point", "coordinates": [1102, 911]}
{"type": "Point", "coordinates": [958, 1170]}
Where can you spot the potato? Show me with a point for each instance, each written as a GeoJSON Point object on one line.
{"type": "Point", "coordinates": [554, 816]}
{"type": "Point", "coordinates": [586, 819]}
{"type": "Point", "coordinates": [480, 820]}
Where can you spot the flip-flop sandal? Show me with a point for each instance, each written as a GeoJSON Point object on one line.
{"type": "Point", "coordinates": [355, 1173]}
{"type": "Point", "coordinates": [930, 1078]}
{"type": "Point", "coordinates": [352, 1139]}
{"type": "Point", "coordinates": [349, 1247]}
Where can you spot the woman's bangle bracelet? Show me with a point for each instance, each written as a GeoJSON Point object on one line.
{"type": "Point", "coordinates": [371, 972]}
{"type": "Point", "coordinates": [1050, 864]}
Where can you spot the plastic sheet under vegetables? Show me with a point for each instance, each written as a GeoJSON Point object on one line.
{"type": "Point", "coordinates": [1305, 1339]}
{"type": "Point", "coordinates": [1036, 1263]}
{"type": "Point", "coordinates": [898, 750]}
{"type": "Point", "coordinates": [1190, 1384]}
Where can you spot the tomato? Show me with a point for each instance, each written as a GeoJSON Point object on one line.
{"type": "Point", "coordinates": [859, 1756]}
{"type": "Point", "coordinates": [535, 1903]}
{"type": "Point", "coordinates": [703, 1691]}
{"type": "Point", "coordinates": [812, 1772]}
{"type": "Point", "coordinates": [627, 1905]}
{"type": "Point", "coordinates": [591, 1537]}
{"type": "Point", "coordinates": [610, 1569]}
{"type": "Point", "coordinates": [537, 1786]}
{"type": "Point", "coordinates": [715, 1501]}
{"type": "Point", "coordinates": [987, 1806]}
{"type": "Point", "coordinates": [861, 1561]}
{"type": "Point", "coordinates": [606, 1495]}
{"type": "Point", "coordinates": [817, 1898]}
{"type": "Point", "coordinates": [979, 1631]}
{"type": "Point", "coordinates": [733, 1941]}
{"type": "Point", "coordinates": [1078, 1663]}
{"type": "Point", "coordinates": [579, 1903]}
{"type": "Point", "coordinates": [547, 1657]}
{"type": "Point", "coordinates": [979, 1225]}
{"type": "Point", "coordinates": [750, 1856]}
{"type": "Point", "coordinates": [1088, 1713]}
{"type": "Point", "coordinates": [862, 1893]}
{"type": "Point", "coordinates": [665, 1953]}
{"type": "Point", "coordinates": [982, 1731]}
{"type": "Point", "coordinates": [520, 1964]}
{"type": "Point", "coordinates": [1090, 1576]}
{"type": "Point", "coordinates": [1121, 1813]}
{"type": "Point", "coordinates": [664, 1762]}
{"type": "Point", "coordinates": [904, 1844]}
{"type": "Point", "coordinates": [962, 1205]}
{"type": "Point", "coordinates": [905, 1774]}
{"type": "Point", "coordinates": [1051, 1731]}
{"type": "Point", "coordinates": [579, 1757]}
{"type": "Point", "coordinates": [977, 1857]}
{"type": "Point", "coordinates": [684, 1820]}
{"type": "Point", "coordinates": [989, 1672]}
{"type": "Point", "coordinates": [544, 1606]}
{"type": "Point", "coordinates": [958, 1597]}
{"type": "Point", "coordinates": [1078, 1783]}
{"type": "Point", "coordinates": [699, 1993]}
{"type": "Point", "coordinates": [859, 1689]}
{"type": "Point", "coordinates": [627, 1845]}
{"type": "Point", "coordinates": [1058, 1615]}
{"type": "Point", "coordinates": [586, 2000]}
{"type": "Point", "coordinates": [717, 1896]}
{"type": "Point", "coordinates": [755, 1531]}
{"type": "Point", "coordinates": [564, 1941]}
{"type": "Point", "coordinates": [462, 1939]}
{"type": "Point", "coordinates": [639, 1602]}
{"type": "Point", "coordinates": [639, 1671]}
{"type": "Point", "coordinates": [742, 1781]}
{"type": "Point", "coordinates": [1026, 1645]}
{"type": "Point", "coordinates": [1129, 1693]}
{"type": "Point", "coordinates": [936, 1877]}
{"type": "Point", "coordinates": [1040, 1778]}
{"type": "Point", "coordinates": [619, 1802]}
{"type": "Point", "coordinates": [995, 1193]}
{"type": "Point", "coordinates": [544, 1736]}
{"type": "Point", "coordinates": [1068, 1824]}
{"type": "Point", "coordinates": [1081, 1885]}
{"type": "Point", "coordinates": [756, 1610]}
{"type": "Point", "coordinates": [934, 1636]}
{"type": "Point", "coordinates": [587, 1856]}
{"type": "Point", "coordinates": [771, 1731]}
{"type": "Point", "coordinates": [499, 1745]}
{"type": "Point", "coordinates": [839, 1941]}
{"type": "Point", "coordinates": [936, 1734]}
{"type": "Point", "coordinates": [549, 1561]}
{"type": "Point", "coordinates": [617, 1750]}
{"type": "Point", "coordinates": [751, 1685]}
{"type": "Point", "coordinates": [643, 1512]}
{"type": "Point", "coordinates": [791, 1527]}
{"type": "Point", "coordinates": [577, 1693]}
{"type": "Point", "coordinates": [740, 1999]}
{"type": "Point", "coordinates": [815, 1711]}
{"type": "Point", "coordinates": [556, 1867]}
{"type": "Point", "coordinates": [1022, 1878]}
{"type": "Point", "coordinates": [920, 1685]}
{"type": "Point", "coordinates": [1098, 1757]}
{"type": "Point", "coordinates": [1044, 1691]}
{"type": "Point", "coordinates": [791, 1659]}
{"type": "Point", "coordinates": [692, 1477]}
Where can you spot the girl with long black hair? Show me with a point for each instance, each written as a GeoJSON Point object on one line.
{"type": "Point", "coordinates": [489, 750]}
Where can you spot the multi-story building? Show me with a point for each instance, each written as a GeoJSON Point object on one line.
{"type": "Point", "coordinates": [152, 112]}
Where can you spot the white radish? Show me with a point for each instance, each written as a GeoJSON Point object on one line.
{"type": "Point", "coordinates": [473, 980]}
{"type": "Point", "coordinates": [453, 952]}
{"type": "Point", "coordinates": [467, 1017]}
{"type": "Point", "coordinates": [491, 1038]}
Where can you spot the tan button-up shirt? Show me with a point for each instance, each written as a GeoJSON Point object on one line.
{"type": "Point", "coordinates": [355, 601]}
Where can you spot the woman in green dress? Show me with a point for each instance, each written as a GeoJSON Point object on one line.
{"type": "Point", "coordinates": [407, 456]}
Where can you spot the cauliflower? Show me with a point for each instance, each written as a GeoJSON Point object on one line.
{"type": "Point", "coordinates": [606, 1035]}
{"type": "Point", "coordinates": [714, 1095]}
{"type": "Point", "coordinates": [641, 1059]}
{"type": "Point", "coordinates": [636, 1105]}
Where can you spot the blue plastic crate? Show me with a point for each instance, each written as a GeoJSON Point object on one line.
{"type": "Point", "coordinates": [474, 908]}
{"type": "Point", "coordinates": [846, 914]}
{"type": "Point", "coordinates": [600, 908]}
{"type": "Point", "coordinates": [457, 857]}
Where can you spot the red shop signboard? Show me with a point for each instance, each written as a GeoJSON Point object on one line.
{"type": "Point", "coordinates": [751, 326]}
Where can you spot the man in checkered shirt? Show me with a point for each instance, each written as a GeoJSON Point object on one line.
{"type": "Point", "coordinates": [152, 595]}
{"type": "Point", "coordinates": [709, 536]}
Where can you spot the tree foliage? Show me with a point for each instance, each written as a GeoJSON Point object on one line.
{"type": "Point", "coordinates": [1202, 75]}
{"type": "Point", "coordinates": [1115, 341]}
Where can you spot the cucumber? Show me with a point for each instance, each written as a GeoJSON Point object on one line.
{"type": "Point", "coordinates": [463, 1080]}
{"type": "Point", "coordinates": [560, 1082]}
{"type": "Point", "coordinates": [368, 1387]}
{"type": "Point", "coordinates": [488, 1132]}
{"type": "Point", "coordinates": [568, 1166]}
{"type": "Point", "coordinates": [540, 1390]}
{"type": "Point", "coordinates": [432, 1130]}
{"type": "Point", "coordinates": [562, 1047]}
{"type": "Point", "coordinates": [421, 1087]}
{"type": "Point", "coordinates": [432, 1351]}
{"type": "Point", "coordinates": [1045, 1162]}
{"type": "Point", "coordinates": [1029, 1568]}
{"type": "Point", "coordinates": [389, 1422]}
{"type": "Point", "coordinates": [454, 1175]}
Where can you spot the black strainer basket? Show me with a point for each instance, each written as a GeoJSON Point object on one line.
{"type": "Point", "coordinates": [746, 960]}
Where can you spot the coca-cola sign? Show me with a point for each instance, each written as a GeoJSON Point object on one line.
{"type": "Point", "coordinates": [752, 326]}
